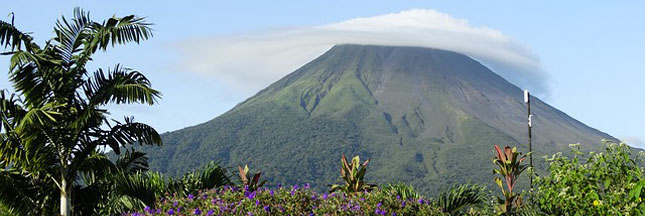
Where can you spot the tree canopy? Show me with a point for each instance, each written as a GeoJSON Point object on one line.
{"type": "Point", "coordinates": [55, 124]}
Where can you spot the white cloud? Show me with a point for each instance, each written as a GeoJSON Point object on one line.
{"type": "Point", "coordinates": [247, 63]}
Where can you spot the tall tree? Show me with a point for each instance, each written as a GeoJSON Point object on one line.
{"type": "Point", "coordinates": [54, 125]}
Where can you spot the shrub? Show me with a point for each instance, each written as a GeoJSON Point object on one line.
{"type": "Point", "coordinates": [606, 183]}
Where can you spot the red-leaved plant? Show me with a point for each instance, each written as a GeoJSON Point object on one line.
{"type": "Point", "coordinates": [509, 166]}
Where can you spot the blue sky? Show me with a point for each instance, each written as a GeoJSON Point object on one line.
{"type": "Point", "coordinates": [584, 58]}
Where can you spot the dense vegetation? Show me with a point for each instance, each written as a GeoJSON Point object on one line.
{"type": "Point", "coordinates": [610, 182]}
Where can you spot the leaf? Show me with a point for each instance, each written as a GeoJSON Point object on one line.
{"type": "Point", "coordinates": [242, 175]}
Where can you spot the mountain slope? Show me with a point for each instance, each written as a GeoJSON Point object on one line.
{"type": "Point", "coordinates": [424, 116]}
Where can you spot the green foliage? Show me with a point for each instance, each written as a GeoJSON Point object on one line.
{"type": "Point", "coordinates": [604, 183]}
{"type": "Point", "coordinates": [354, 176]}
{"type": "Point", "coordinates": [248, 182]}
{"type": "Point", "coordinates": [402, 190]}
{"type": "Point", "coordinates": [459, 197]}
{"type": "Point", "coordinates": [509, 167]}
{"type": "Point", "coordinates": [210, 176]}
{"type": "Point", "coordinates": [54, 124]}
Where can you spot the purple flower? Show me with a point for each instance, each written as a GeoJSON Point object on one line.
{"type": "Point", "coordinates": [312, 214]}
{"type": "Point", "coordinates": [362, 199]}
{"type": "Point", "coordinates": [379, 205]}
{"type": "Point", "coordinates": [257, 202]}
{"type": "Point", "coordinates": [171, 212]}
{"type": "Point", "coordinates": [197, 211]}
{"type": "Point", "coordinates": [398, 197]}
{"type": "Point", "coordinates": [279, 185]}
{"type": "Point", "coordinates": [190, 196]}
{"type": "Point", "coordinates": [158, 211]}
{"type": "Point", "coordinates": [267, 208]}
{"type": "Point", "coordinates": [174, 204]}
{"type": "Point", "coordinates": [393, 213]}
{"type": "Point", "coordinates": [246, 188]}
{"type": "Point", "coordinates": [295, 187]}
{"type": "Point", "coordinates": [148, 209]}
{"type": "Point", "coordinates": [356, 207]}
{"type": "Point", "coordinates": [293, 192]}
{"type": "Point", "coordinates": [306, 185]}
{"type": "Point", "coordinates": [403, 204]}
{"type": "Point", "coordinates": [325, 196]}
{"type": "Point", "coordinates": [178, 209]}
{"type": "Point", "coordinates": [271, 192]}
{"type": "Point", "coordinates": [250, 195]}
{"type": "Point", "coordinates": [420, 201]}
{"type": "Point", "coordinates": [210, 212]}
{"type": "Point", "coordinates": [249, 214]}
{"type": "Point", "coordinates": [377, 211]}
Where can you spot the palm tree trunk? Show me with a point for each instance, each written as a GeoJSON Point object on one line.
{"type": "Point", "coordinates": [65, 198]}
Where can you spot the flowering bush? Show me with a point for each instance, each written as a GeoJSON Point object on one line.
{"type": "Point", "coordinates": [604, 183]}
{"type": "Point", "coordinates": [295, 200]}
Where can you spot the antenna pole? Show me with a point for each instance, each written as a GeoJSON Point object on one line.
{"type": "Point", "coordinates": [527, 100]}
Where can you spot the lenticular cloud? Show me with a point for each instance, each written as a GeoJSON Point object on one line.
{"type": "Point", "coordinates": [249, 62]}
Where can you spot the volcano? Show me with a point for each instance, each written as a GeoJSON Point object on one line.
{"type": "Point", "coordinates": [424, 116]}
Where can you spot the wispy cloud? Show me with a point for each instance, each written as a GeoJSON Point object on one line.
{"type": "Point", "coordinates": [249, 62]}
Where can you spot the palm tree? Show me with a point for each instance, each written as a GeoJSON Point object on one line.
{"type": "Point", "coordinates": [53, 127]}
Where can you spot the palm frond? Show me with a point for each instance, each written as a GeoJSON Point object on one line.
{"type": "Point", "coordinates": [14, 39]}
{"type": "Point", "coordinates": [122, 30]}
{"type": "Point", "coordinates": [210, 176]}
{"type": "Point", "coordinates": [111, 32]}
{"type": "Point", "coordinates": [37, 118]}
{"type": "Point", "coordinates": [23, 194]}
{"type": "Point", "coordinates": [132, 161]}
{"type": "Point", "coordinates": [121, 85]}
{"type": "Point", "coordinates": [402, 190]}
{"type": "Point", "coordinates": [460, 197]}
{"type": "Point", "coordinates": [130, 132]}
{"type": "Point", "coordinates": [144, 186]}
{"type": "Point", "coordinates": [70, 35]}
{"type": "Point", "coordinates": [10, 111]}
{"type": "Point", "coordinates": [96, 163]}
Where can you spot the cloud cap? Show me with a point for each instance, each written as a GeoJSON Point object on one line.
{"type": "Point", "coordinates": [249, 62]}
